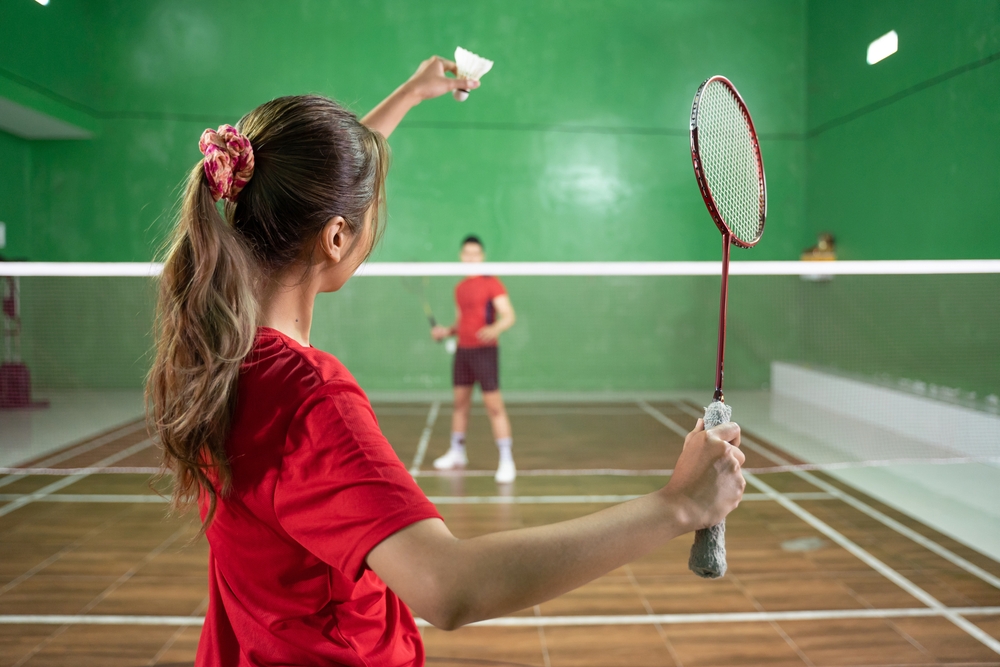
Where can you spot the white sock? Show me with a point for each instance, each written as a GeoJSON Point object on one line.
{"type": "Point", "coordinates": [458, 442]}
{"type": "Point", "coordinates": [504, 445]}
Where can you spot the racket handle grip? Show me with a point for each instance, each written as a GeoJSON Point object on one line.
{"type": "Point", "coordinates": [708, 553]}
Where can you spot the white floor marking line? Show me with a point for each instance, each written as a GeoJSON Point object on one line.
{"type": "Point", "coordinates": [547, 621]}
{"type": "Point", "coordinates": [425, 438]}
{"type": "Point", "coordinates": [17, 473]}
{"type": "Point", "coordinates": [135, 498]}
{"type": "Point", "coordinates": [593, 472]}
{"type": "Point", "coordinates": [663, 419]}
{"type": "Point", "coordinates": [541, 638]}
{"type": "Point", "coordinates": [886, 520]}
{"type": "Point", "coordinates": [866, 509]}
{"type": "Point", "coordinates": [872, 562]}
{"type": "Point", "coordinates": [571, 500]}
{"type": "Point", "coordinates": [103, 595]}
{"type": "Point", "coordinates": [649, 611]}
{"type": "Point", "coordinates": [85, 447]}
{"type": "Point", "coordinates": [66, 481]}
{"type": "Point", "coordinates": [75, 451]}
{"type": "Point", "coordinates": [38, 567]}
{"type": "Point", "coordinates": [89, 498]}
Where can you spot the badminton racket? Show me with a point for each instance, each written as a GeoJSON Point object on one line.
{"type": "Point", "coordinates": [417, 286]}
{"type": "Point", "coordinates": [730, 174]}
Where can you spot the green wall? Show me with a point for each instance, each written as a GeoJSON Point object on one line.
{"type": "Point", "coordinates": [15, 165]}
{"type": "Point", "coordinates": [904, 155]}
{"type": "Point", "coordinates": [575, 147]}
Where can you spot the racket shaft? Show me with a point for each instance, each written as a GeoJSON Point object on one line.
{"type": "Point", "coordinates": [429, 313]}
{"type": "Point", "coordinates": [723, 300]}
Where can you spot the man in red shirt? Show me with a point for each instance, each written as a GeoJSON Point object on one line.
{"type": "Point", "coordinates": [483, 313]}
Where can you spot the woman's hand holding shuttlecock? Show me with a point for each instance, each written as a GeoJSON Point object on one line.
{"type": "Point", "coordinates": [430, 81]}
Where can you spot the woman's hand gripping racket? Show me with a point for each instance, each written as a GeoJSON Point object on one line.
{"type": "Point", "coordinates": [730, 174]}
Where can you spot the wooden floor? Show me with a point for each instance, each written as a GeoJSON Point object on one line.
{"type": "Point", "coordinates": [93, 572]}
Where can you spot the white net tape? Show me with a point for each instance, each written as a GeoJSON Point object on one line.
{"type": "Point", "coordinates": [729, 161]}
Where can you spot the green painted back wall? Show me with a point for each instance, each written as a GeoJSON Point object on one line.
{"type": "Point", "coordinates": [574, 149]}
{"type": "Point", "coordinates": [15, 167]}
{"type": "Point", "coordinates": [917, 178]}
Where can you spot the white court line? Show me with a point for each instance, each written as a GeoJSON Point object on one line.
{"type": "Point", "coordinates": [861, 554]}
{"type": "Point", "coordinates": [66, 481]}
{"type": "Point", "coordinates": [553, 621]}
{"type": "Point", "coordinates": [92, 470]}
{"type": "Point", "coordinates": [663, 419]}
{"type": "Point", "coordinates": [583, 499]}
{"type": "Point", "coordinates": [710, 268]}
{"type": "Point", "coordinates": [870, 511]}
{"type": "Point", "coordinates": [425, 438]}
{"type": "Point", "coordinates": [85, 447]}
{"type": "Point", "coordinates": [88, 498]}
{"type": "Point", "coordinates": [895, 577]}
{"type": "Point", "coordinates": [75, 451]}
{"type": "Point", "coordinates": [437, 500]}
{"type": "Point", "coordinates": [584, 472]}
{"type": "Point", "coordinates": [15, 473]}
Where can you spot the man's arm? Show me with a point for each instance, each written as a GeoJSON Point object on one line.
{"type": "Point", "coordinates": [505, 319]}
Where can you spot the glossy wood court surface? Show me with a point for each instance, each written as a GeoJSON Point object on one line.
{"type": "Point", "coordinates": [93, 570]}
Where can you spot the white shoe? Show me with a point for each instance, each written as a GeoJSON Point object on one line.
{"type": "Point", "coordinates": [453, 459]}
{"type": "Point", "coordinates": [506, 473]}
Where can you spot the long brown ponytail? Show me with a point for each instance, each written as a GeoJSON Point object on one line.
{"type": "Point", "coordinates": [314, 161]}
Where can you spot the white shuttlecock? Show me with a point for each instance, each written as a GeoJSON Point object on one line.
{"type": "Point", "coordinates": [470, 66]}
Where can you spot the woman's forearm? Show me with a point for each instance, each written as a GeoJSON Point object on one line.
{"type": "Point", "coordinates": [504, 572]}
{"type": "Point", "coordinates": [387, 115]}
{"type": "Point", "coordinates": [451, 582]}
{"type": "Point", "coordinates": [496, 574]}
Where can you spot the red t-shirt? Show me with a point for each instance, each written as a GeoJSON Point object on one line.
{"type": "Point", "coordinates": [315, 487]}
{"type": "Point", "coordinates": [474, 297]}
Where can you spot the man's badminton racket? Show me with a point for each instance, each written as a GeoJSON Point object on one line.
{"type": "Point", "coordinates": [417, 286]}
{"type": "Point", "coordinates": [730, 174]}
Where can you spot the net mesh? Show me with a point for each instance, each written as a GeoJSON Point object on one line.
{"type": "Point", "coordinates": [853, 369]}
{"type": "Point", "coordinates": [728, 156]}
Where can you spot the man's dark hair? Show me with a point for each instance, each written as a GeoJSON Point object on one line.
{"type": "Point", "coordinates": [472, 238]}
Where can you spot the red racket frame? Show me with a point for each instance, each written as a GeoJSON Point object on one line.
{"type": "Point", "coordinates": [728, 238]}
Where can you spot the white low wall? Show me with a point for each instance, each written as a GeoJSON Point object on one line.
{"type": "Point", "coordinates": [940, 426]}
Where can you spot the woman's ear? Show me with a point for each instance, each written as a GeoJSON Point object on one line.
{"type": "Point", "coordinates": [334, 240]}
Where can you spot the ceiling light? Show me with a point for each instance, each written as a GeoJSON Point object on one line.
{"type": "Point", "coordinates": [883, 47]}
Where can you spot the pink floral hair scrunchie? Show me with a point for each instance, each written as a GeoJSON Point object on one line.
{"type": "Point", "coordinates": [228, 161]}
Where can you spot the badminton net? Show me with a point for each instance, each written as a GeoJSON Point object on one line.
{"type": "Point", "coordinates": [857, 363]}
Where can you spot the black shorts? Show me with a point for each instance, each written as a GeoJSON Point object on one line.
{"type": "Point", "coordinates": [477, 364]}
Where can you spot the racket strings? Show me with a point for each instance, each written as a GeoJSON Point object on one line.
{"type": "Point", "coordinates": [729, 162]}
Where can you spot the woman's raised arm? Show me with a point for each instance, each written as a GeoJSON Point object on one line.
{"type": "Point", "coordinates": [428, 82]}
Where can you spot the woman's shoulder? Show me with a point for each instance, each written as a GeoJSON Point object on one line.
{"type": "Point", "coordinates": [277, 358]}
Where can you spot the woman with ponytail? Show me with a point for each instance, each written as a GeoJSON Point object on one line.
{"type": "Point", "coordinates": [317, 533]}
